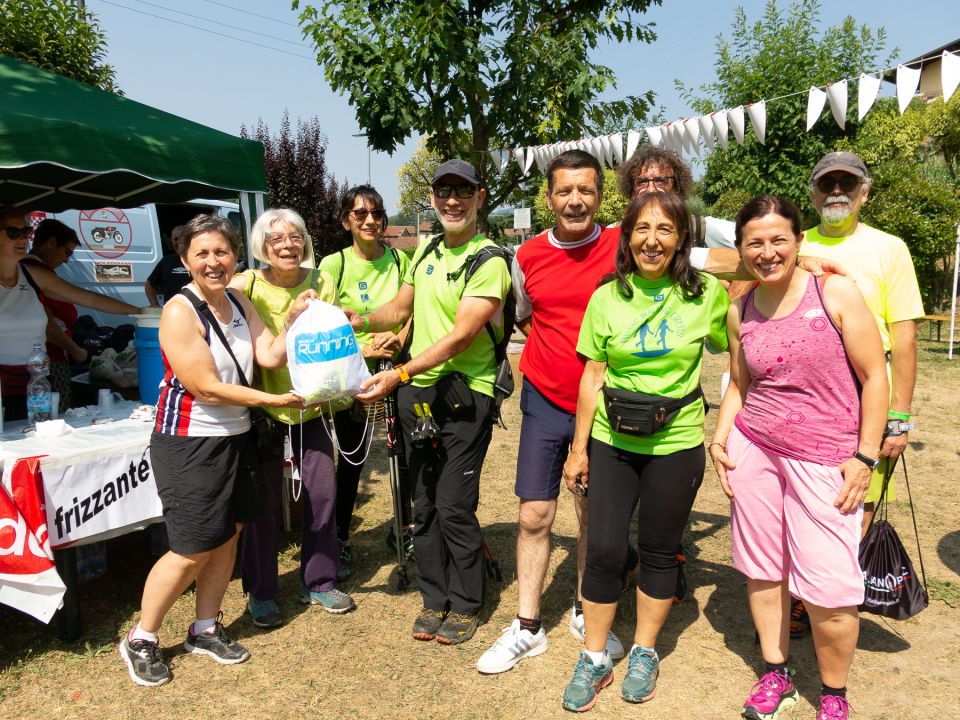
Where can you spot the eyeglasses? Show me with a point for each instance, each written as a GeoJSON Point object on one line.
{"type": "Point", "coordinates": [361, 215]}
{"type": "Point", "coordinates": [660, 182]}
{"type": "Point", "coordinates": [463, 191]}
{"type": "Point", "coordinates": [848, 183]}
{"type": "Point", "coordinates": [277, 240]}
{"type": "Point", "coordinates": [15, 233]}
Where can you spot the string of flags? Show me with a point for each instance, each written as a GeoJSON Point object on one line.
{"type": "Point", "coordinates": [683, 136]}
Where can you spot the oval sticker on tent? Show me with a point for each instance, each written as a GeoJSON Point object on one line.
{"type": "Point", "coordinates": [106, 231]}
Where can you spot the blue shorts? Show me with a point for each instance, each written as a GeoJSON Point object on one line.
{"type": "Point", "coordinates": [546, 432]}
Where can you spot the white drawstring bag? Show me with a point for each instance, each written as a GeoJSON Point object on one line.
{"type": "Point", "coordinates": [323, 355]}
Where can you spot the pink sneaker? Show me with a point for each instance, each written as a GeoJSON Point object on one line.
{"type": "Point", "coordinates": [833, 707]}
{"type": "Point", "coordinates": [769, 695]}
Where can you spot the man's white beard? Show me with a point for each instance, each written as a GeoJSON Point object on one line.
{"type": "Point", "coordinates": [836, 215]}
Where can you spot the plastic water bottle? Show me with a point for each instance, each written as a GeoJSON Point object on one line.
{"type": "Point", "coordinates": [39, 401]}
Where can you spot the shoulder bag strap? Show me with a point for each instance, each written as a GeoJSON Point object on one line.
{"type": "Point", "coordinates": [204, 309]}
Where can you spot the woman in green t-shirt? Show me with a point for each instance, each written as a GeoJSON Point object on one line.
{"type": "Point", "coordinates": [367, 274]}
{"type": "Point", "coordinates": [639, 432]}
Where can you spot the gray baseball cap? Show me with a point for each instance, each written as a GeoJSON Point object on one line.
{"type": "Point", "coordinates": [842, 161]}
{"type": "Point", "coordinates": [460, 168]}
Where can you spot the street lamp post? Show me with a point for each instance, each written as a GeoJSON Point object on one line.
{"type": "Point", "coordinates": [369, 174]}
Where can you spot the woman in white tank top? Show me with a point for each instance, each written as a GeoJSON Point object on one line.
{"type": "Point", "coordinates": [203, 459]}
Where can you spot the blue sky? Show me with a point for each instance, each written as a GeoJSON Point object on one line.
{"type": "Point", "coordinates": [201, 74]}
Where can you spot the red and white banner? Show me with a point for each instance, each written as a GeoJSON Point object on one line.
{"type": "Point", "coordinates": [28, 577]}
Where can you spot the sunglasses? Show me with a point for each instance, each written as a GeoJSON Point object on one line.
{"type": "Point", "coordinates": [660, 182]}
{"type": "Point", "coordinates": [847, 183]}
{"type": "Point", "coordinates": [361, 215]}
{"type": "Point", "coordinates": [462, 191]}
{"type": "Point", "coordinates": [15, 233]}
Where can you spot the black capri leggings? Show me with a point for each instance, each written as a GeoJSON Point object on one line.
{"type": "Point", "coordinates": [665, 487]}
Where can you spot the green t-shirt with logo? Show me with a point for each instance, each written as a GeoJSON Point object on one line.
{"type": "Point", "coordinates": [653, 343]}
{"type": "Point", "coordinates": [367, 285]}
{"type": "Point", "coordinates": [435, 302]}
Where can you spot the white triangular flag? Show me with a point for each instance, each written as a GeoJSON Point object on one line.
{"type": "Point", "coordinates": [815, 102]}
{"type": "Point", "coordinates": [706, 127]}
{"type": "Point", "coordinates": [520, 157]}
{"type": "Point", "coordinates": [539, 155]}
{"type": "Point", "coordinates": [607, 151]}
{"type": "Point", "coordinates": [676, 135]}
{"type": "Point", "coordinates": [633, 139]}
{"type": "Point", "coordinates": [735, 116]}
{"type": "Point", "coordinates": [504, 160]}
{"type": "Point", "coordinates": [866, 94]}
{"type": "Point", "coordinates": [720, 125]}
{"type": "Point", "coordinates": [758, 118]}
{"type": "Point", "coordinates": [908, 80]}
{"type": "Point", "coordinates": [655, 134]}
{"type": "Point", "coordinates": [692, 127]}
{"type": "Point", "coordinates": [495, 158]}
{"type": "Point", "coordinates": [949, 73]}
{"type": "Point", "coordinates": [616, 146]}
{"type": "Point", "coordinates": [596, 149]}
{"type": "Point", "coordinates": [528, 163]}
{"type": "Point", "coordinates": [837, 95]}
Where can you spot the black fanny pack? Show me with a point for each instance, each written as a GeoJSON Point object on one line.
{"type": "Point", "coordinates": [636, 413]}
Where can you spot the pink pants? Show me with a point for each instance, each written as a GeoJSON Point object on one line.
{"type": "Point", "coordinates": [784, 526]}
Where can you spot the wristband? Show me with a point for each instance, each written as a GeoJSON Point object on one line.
{"type": "Point", "coordinates": [896, 415]}
{"type": "Point", "coordinates": [719, 445]}
{"type": "Point", "coordinates": [366, 324]}
{"type": "Point", "coordinates": [868, 461]}
{"type": "Point", "coordinates": [402, 372]}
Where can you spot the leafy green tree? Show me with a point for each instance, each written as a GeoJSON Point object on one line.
{"type": "Point", "coordinates": [782, 53]}
{"type": "Point", "coordinates": [611, 210]}
{"type": "Point", "coordinates": [472, 75]}
{"type": "Point", "coordinates": [295, 165]}
{"type": "Point", "coordinates": [415, 176]}
{"type": "Point", "coordinates": [57, 35]}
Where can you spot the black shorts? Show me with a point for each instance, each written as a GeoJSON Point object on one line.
{"type": "Point", "coordinates": [206, 485]}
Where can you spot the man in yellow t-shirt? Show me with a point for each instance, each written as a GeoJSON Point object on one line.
{"type": "Point", "coordinates": [881, 266]}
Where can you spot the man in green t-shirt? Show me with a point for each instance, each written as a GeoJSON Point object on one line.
{"type": "Point", "coordinates": [445, 401]}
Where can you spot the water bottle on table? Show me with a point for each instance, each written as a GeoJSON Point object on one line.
{"type": "Point", "coordinates": [39, 400]}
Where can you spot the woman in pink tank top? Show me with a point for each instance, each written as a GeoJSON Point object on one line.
{"type": "Point", "coordinates": [796, 442]}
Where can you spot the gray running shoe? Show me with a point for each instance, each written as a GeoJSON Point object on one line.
{"type": "Point", "coordinates": [427, 623]}
{"type": "Point", "coordinates": [333, 601]}
{"type": "Point", "coordinates": [265, 613]}
{"type": "Point", "coordinates": [217, 645]}
{"type": "Point", "coordinates": [144, 662]}
{"type": "Point", "coordinates": [457, 628]}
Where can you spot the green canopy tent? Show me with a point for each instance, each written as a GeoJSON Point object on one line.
{"type": "Point", "coordinates": [67, 145]}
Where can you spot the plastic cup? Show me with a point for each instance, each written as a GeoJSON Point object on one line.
{"type": "Point", "coordinates": [104, 401]}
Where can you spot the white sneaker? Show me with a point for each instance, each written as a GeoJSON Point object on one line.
{"type": "Point", "coordinates": [510, 648]}
{"type": "Point", "coordinates": [577, 629]}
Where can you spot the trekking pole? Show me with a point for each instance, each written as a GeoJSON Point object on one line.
{"type": "Point", "coordinates": [490, 564]}
{"type": "Point", "coordinates": [394, 448]}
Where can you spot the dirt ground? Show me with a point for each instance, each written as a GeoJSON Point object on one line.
{"type": "Point", "coordinates": [366, 665]}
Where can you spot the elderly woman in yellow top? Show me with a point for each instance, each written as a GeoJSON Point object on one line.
{"type": "Point", "coordinates": [282, 246]}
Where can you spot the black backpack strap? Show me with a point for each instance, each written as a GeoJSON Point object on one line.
{"type": "Point", "coordinates": [343, 265]}
{"type": "Point", "coordinates": [204, 309]}
{"type": "Point", "coordinates": [433, 246]}
{"type": "Point", "coordinates": [468, 269]}
{"type": "Point", "coordinates": [29, 278]}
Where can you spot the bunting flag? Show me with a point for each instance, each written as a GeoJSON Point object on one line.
{"type": "Point", "coordinates": [908, 80]}
{"type": "Point", "coordinates": [866, 94]}
{"type": "Point", "coordinates": [706, 128]}
{"type": "Point", "coordinates": [816, 99]}
{"type": "Point", "coordinates": [735, 116]}
{"type": "Point", "coordinates": [837, 95]}
{"type": "Point", "coordinates": [758, 118]}
{"type": "Point", "coordinates": [720, 125]}
{"type": "Point", "coordinates": [949, 74]}
{"type": "Point", "coordinates": [616, 144]}
{"type": "Point", "coordinates": [683, 135]}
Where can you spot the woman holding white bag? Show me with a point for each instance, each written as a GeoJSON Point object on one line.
{"type": "Point", "coordinates": [282, 245]}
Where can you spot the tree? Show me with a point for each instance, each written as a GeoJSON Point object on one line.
{"type": "Point", "coordinates": [782, 53]}
{"type": "Point", "coordinates": [59, 36]}
{"type": "Point", "coordinates": [415, 177]}
{"type": "Point", "coordinates": [477, 74]}
{"type": "Point", "coordinates": [915, 192]}
{"type": "Point", "coordinates": [297, 178]}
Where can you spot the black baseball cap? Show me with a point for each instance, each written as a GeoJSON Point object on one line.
{"type": "Point", "coordinates": [843, 161]}
{"type": "Point", "coordinates": [459, 168]}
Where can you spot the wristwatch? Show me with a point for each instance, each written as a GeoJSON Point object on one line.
{"type": "Point", "coordinates": [868, 461]}
{"type": "Point", "coordinates": [402, 372]}
{"type": "Point", "coordinates": [897, 427]}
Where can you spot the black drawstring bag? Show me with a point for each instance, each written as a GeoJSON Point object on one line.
{"type": "Point", "coordinates": [891, 587]}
